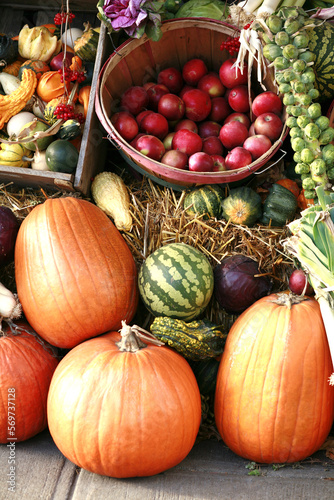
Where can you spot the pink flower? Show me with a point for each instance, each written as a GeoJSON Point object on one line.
{"type": "Point", "coordinates": [125, 14]}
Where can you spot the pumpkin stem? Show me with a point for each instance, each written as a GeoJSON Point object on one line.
{"type": "Point", "coordinates": [289, 299]}
{"type": "Point", "coordinates": [132, 337]}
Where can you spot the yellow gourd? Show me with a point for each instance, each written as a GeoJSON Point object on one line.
{"type": "Point", "coordinates": [13, 103]}
{"type": "Point", "coordinates": [37, 43]}
{"type": "Point", "coordinates": [111, 195]}
{"type": "Point", "coordinates": [13, 155]}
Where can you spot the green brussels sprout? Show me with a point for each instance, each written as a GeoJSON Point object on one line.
{"type": "Point", "coordinates": [298, 144]}
{"type": "Point", "coordinates": [322, 122]}
{"type": "Point", "coordinates": [302, 168]}
{"type": "Point", "coordinates": [289, 75]}
{"type": "Point", "coordinates": [292, 25]}
{"type": "Point", "coordinates": [282, 38]}
{"type": "Point", "coordinates": [307, 56]}
{"type": "Point", "coordinates": [307, 155]}
{"type": "Point", "coordinates": [308, 183]}
{"type": "Point", "coordinates": [296, 110]}
{"type": "Point", "coordinates": [290, 51]}
{"type": "Point", "coordinates": [271, 51]}
{"type": "Point", "coordinates": [283, 88]}
{"type": "Point", "coordinates": [296, 132]}
{"type": "Point", "coordinates": [296, 157]}
{"type": "Point", "coordinates": [298, 87]}
{"type": "Point", "coordinates": [303, 99]}
{"type": "Point", "coordinates": [299, 65]}
{"type": "Point", "coordinates": [279, 77]}
{"type": "Point", "coordinates": [318, 167]}
{"type": "Point", "coordinates": [288, 99]}
{"type": "Point", "coordinates": [330, 173]}
{"type": "Point", "coordinates": [301, 40]}
{"type": "Point", "coordinates": [328, 154]}
{"type": "Point", "coordinates": [309, 194]}
{"type": "Point", "coordinates": [303, 120]}
{"type": "Point", "coordinates": [312, 131]}
{"type": "Point", "coordinates": [281, 63]}
{"type": "Point", "coordinates": [274, 23]}
{"type": "Point", "coordinates": [308, 77]}
{"type": "Point", "coordinates": [314, 93]}
{"type": "Point", "coordinates": [314, 111]}
{"type": "Point", "coordinates": [326, 136]}
{"type": "Point", "coordinates": [291, 121]}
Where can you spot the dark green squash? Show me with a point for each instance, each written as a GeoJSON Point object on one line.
{"type": "Point", "coordinates": [242, 206]}
{"type": "Point", "coordinates": [205, 372]}
{"type": "Point", "coordinates": [61, 156]}
{"type": "Point", "coordinates": [69, 130]}
{"type": "Point", "coordinates": [196, 340]}
{"type": "Point", "coordinates": [86, 45]}
{"type": "Point", "coordinates": [279, 207]}
{"type": "Point", "coordinates": [205, 200]}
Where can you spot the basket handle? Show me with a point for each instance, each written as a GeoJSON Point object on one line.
{"type": "Point", "coordinates": [272, 164]}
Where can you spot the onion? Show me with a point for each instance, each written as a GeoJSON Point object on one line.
{"type": "Point", "coordinates": [56, 62]}
{"type": "Point", "coordinates": [9, 227]}
{"type": "Point", "coordinates": [236, 284]}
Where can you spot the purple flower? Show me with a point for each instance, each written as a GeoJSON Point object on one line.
{"type": "Point", "coordinates": [125, 14]}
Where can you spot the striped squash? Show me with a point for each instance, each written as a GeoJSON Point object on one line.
{"type": "Point", "coordinates": [205, 200]}
{"type": "Point", "coordinates": [176, 280]}
{"type": "Point", "coordinates": [321, 44]}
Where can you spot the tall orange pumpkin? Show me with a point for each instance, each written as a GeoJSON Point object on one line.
{"type": "Point", "coordinates": [26, 368]}
{"type": "Point", "coordinates": [76, 277]}
{"type": "Point", "coordinates": [273, 401]}
{"type": "Point", "coordinates": [124, 409]}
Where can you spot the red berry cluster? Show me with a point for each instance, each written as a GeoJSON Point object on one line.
{"type": "Point", "coordinates": [60, 17]}
{"type": "Point", "coordinates": [71, 76]}
{"type": "Point", "coordinates": [66, 112]}
{"type": "Point", "coordinates": [232, 43]}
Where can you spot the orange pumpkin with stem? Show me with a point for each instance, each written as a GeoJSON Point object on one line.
{"type": "Point", "coordinates": [76, 277]}
{"type": "Point", "coordinates": [273, 400]}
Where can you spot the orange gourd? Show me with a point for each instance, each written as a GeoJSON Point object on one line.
{"type": "Point", "coordinates": [303, 202]}
{"type": "Point", "coordinates": [273, 401]}
{"type": "Point", "coordinates": [124, 409]}
{"type": "Point", "coordinates": [26, 368]}
{"type": "Point", "coordinates": [290, 185]}
{"type": "Point", "coordinates": [50, 86]}
{"type": "Point", "coordinates": [84, 93]}
{"type": "Point", "coordinates": [76, 277]}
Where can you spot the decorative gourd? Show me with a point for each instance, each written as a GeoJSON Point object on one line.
{"type": "Point", "coordinates": [84, 94]}
{"type": "Point", "coordinates": [27, 366]}
{"type": "Point", "coordinates": [205, 200]}
{"type": "Point", "coordinates": [8, 50]}
{"type": "Point", "coordinates": [39, 161]}
{"type": "Point", "coordinates": [279, 207]}
{"type": "Point", "coordinates": [13, 155]}
{"type": "Point", "coordinates": [9, 83]}
{"type": "Point", "coordinates": [29, 130]}
{"type": "Point", "coordinates": [13, 103]}
{"type": "Point", "coordinates": [112, 196]}
{"type": "Point", "coordinates": [273, 402]}
{"type": "Point", "coordinates": [39, 67]}
{"type": "Point", "coordinates": [242, 206]}
{"type": "Point", "coordinates": [137, 406]}
{"type": "Point", "coordinates": [196, 340]}
{"type": "Point", "coordinates": [290, 185]}
{"type": "Point", "coordinates": [61, 156]}
{"type": "Point", "coordinates": [86, 45]}
{"type": "Point", "coordinates": [37, 43]}
{"type": "Point", "coordinates": [76, 277]}
{"type": "Point", "coordinates": [206, 371]}
{"type": "Point", "coordinates": [176, 280]}
{"type": "Point", "coordinates": [50, 86]}
{"type": "Point", "coordinates": [304, 203]}
{"type": "Point", "coordinates": [13, 68]}
{"type": "Point", "coordinates": [69, 130]}
{"type": "Point", "coordinates": [50, 108]}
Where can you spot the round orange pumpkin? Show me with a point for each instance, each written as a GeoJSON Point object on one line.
{"type": "Point", "coordinates": [291, 185]}
{"type": "Point", "coordinates": [75, 275]}
{"type": "Point", "coordinates": [273, 401]}
{"type": "Point", "coordinates": [50, 86]}
{"type": "Point", "coordinates": [26, 368]}
{"type": "Point", "coordinates": [121, 409]}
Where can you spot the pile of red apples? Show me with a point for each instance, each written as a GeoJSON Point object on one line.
{"type": "Point", "coordinates": [200, 120]}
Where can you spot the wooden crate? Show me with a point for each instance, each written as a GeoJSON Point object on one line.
{"type": "Point", "coordinates": [93, 146]}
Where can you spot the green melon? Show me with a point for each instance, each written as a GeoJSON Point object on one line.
{"type": "Point", "coordinates": [321, 44]}
{"type": "Point", "coordinates": [205, 200]}
{"type": "Point", "coordinates": [176, 280]}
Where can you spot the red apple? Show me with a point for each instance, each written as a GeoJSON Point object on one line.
{"type": "Point", "coordinates": [147, 85]}
{"type": "Point", "coordinates": [218, 163]}
{"type": "Point", "coordinates": [198, 105]}
{"type": "Point", "coordinates": [298, 283]}
{"type": "Point", "coordinates": [269, 124]}
{"type": "Point", "coordinates": [267, 102]}
{"type": "Point", "coordinates": [237, 158]}
{"type": "Point", "coordinates": [59, 60]}
{"type": "Point", "coordinates": [200, 162]}
{"type": "Point", "coordinates": [171, 106]}
{"type": "Point", "coordinates": [188, 124]}
{"type": "Point", "coordinates": [150, 146]}
{"type": "Point", "coordinates": [134, 99]}
{"type": "Point", "coordinates": [238, 99]}
{"type": "Point", "coordinates": [133, 143]}
{"type": "Point", "coordinates": [220, 109]}
{"type": "Point", "coordinates": [125, 124]}
{"type": "Point", "coordinates": [185, 89]}
{"type": "Point", "coordinates": [167, 142]}
{"type": "Point", "coordinates": [175, 158]}
{"type": "Point", "coordinates": [155, 124]}
{"type": "Point", "coordinates": [193, 70]}
{"type": "Point", "coordinates": [211, 84]}
{"type": "Point", "coordinates": [208, 128]}
{"type": "Point", "coordinates": [155, 92]}
{"type": "Point", "coordinates": [257, 145]}
{"type": "Point", "coordinates": [187, 141]}
{"type": "Point", "coordinates": [251, 130]}
{"type": "Point", "coordinates": [172, 78]}
{"type": "Point", "coordinates": [142, 115]}
{"type": "Point", "coordinates": [233, 134]}
{"type": "Point", "coordinates": [212, 146]}
{"type": "Point", "coordinates": [232, 76]}
{"type": "Point", "coordinates": [239, 117]}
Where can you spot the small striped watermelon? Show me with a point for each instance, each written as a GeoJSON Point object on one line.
{"type": "Point", "coordinates": [205, 200]}
{"type": "Point", "coordinates": [321, 44]}
{"type": "Point", "coordinates": [176, 280]}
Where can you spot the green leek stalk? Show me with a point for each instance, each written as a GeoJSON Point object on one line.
{"type": "Point", "coordinates": [312, 244]}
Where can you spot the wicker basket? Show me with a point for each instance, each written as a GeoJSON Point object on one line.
{"type": "Point", "coordinates": [139, 61]}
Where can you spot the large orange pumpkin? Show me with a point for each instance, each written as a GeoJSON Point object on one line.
{"type": "Point", "coordinates": [123, 409]}
{"type": "Point", "coordinates": [76, 277]}
{"type": "Point", "coordinates": [26, 368]}
{"type": "Point", "coordinates": [273, 401]}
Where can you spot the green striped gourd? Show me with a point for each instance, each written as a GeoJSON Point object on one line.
{"type": "Point", "coordinates": [176, 280]}
{"type": "Point", "coordinates": [205, 200]}
{"type": "Point", "coordinates": [86, 45]}
{"type": "Point", "coordinates": [13, 155]}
